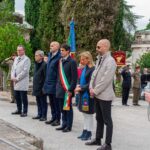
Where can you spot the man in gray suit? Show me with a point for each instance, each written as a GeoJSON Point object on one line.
{"type": "Point", "coordinates": [101, 88]}
{"type": "Point", "coordinates": [20, 78]}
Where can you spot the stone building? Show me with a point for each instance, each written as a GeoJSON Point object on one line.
{"type": "Point", "coordinates": [25, 26]}
{"type": "Point", "coordinates": [140, 45]}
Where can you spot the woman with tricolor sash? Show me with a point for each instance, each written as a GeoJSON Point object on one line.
{"type": "Point", "coordinates": [66, 84]}
{"type": "Point", "coordinates": [86, 104]}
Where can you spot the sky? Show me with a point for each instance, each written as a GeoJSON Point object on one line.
{"type": "Point", "coordinates": [141, 8]}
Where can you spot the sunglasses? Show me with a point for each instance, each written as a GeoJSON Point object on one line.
{"type": "Point", "coordinates": [98, 47]}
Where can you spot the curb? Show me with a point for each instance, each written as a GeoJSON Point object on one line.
{"type": "Point", "coordinates": [2, 98]}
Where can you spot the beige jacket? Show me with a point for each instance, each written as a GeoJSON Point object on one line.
{"type": "Point", "coordinates": [102, 78]}
{"type": "Point", "coordinates": [20, 71]}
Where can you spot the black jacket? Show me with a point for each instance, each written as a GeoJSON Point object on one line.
{"type": "Point", "coordinates": [126, 79]}
{"type": "Point", "coordinates": [70, 69]}
{"type": "Point", "coordinates": [84, 88]}
{"type": "Point", "coordinates": [144, 79]}
{"type": "Point", "coordinates": [39, 78]}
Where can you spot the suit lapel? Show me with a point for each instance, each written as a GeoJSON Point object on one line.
{"type": "Point", "coordinates": [98, 67]}
{"type": "Point", "coordinates": [67, 60]}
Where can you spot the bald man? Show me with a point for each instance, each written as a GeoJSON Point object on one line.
{"type": "Point", "coordinates": [101, 88]}
{"type": "Point", "coordinates": [50, 82]}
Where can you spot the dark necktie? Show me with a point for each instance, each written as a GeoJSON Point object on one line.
{"type": "Point", "coordinates": [18, 60]}
{"type": "Point", "coordinates": [100, 61]}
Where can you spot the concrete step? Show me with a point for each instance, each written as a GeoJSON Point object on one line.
{"type": "Point", "coordinates": [13, 138]}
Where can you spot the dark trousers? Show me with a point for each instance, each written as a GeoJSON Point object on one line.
{"type": "Point", "coordinates": [21, 99]}
{"type": "Point", "coordinates": [125, 95]}
{"type": "Point", "coordinates": [54, 105]}
{"type": "Point", "coordinates": [67, 116]}
{"type": "Point", "coordinates": [42, 106]}
{"type": "Point", "coordinates": [103, 116]}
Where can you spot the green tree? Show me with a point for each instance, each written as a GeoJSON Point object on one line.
{"type": "Point", "coordinates": [32, 8]}
{"type": "Point", "coordinates": [125, 23]}
{"type": "Point", "coordinates": [6, 12]}
{"type": "Point", "coordinates": [49, 26]}
{"type": "Point", "coordinates": [10, 38]}
{"type": "Point", "coordinates": [12, 4]}
{"type": "Point", "coordinates": [148, 26]}
{"type": "Point", "coordinates": [94, 19]}
{"type": "Point", "coordinates": [144, 61]}
{"type": "Point", "coordinates": [32, 11]}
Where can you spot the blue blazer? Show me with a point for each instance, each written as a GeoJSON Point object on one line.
{"type": "Point", "coordinates": [51, 74]}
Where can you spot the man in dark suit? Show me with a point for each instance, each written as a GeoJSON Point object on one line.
{"type": "Point", "coordinates": [69, 68]}
{"type": "Point", "coordinates": [50, 82]}
{"type": "Point", "coordinates": [38, 82]}
{"type": "Point", "coordinates": [126, 85]}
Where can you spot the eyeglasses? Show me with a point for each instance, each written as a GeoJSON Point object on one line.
{"type": "Point", "coordinates": [98, 47]}
{"type": "Point", "coordinates": [62, 50]}
{"type": "Point", "coordinates": [19, 50]}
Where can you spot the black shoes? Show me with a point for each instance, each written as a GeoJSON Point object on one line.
{"type": "Point", "coordinates": [43, 119]}
{"type": "Point", "coordinates": [64, 129]}
{"type": "Point", "coordinates": [40, 118]}
{"type": "Point", "coordinates": [93, 142]}
{"type": "Point", "coordinates": [125, 104]}
{"type": "Point", "coordinates": [36, 117]}
{"type": "Point", "coordinates": [55, 123]}
{"type": "Point", "coordinates": [23, 115]}
{"type": "Point", "coordinates": [67, 129]}
{"type": "Point", "coordinates": [50, 121]}
{"type": "Point", "coordinates": [136, 104]}
{"type": "Point", "coordinates": [105, 147]}
{"type": "Point", "coordinates": [16, 112]}
{"type": "Point", "coordinates": [60, 128]}
{"type": "Point", "coordinates": [19, 113]}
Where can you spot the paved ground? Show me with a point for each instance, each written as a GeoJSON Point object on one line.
{"type": "Point", "coordinates": [13, 138]}
{"type": "Point", "coordinates": [131, 128]}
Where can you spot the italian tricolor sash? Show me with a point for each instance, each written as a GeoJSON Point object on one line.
{"type": "Point", "coordinates": [65, 85]}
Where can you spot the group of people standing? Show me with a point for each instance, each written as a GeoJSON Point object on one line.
{"type": "Point", "coordinates": [139, 83]}
{"type": "Point", "coordinates": [59, 79]}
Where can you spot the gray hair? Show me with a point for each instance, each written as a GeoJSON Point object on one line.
{"type": "Point", "coordinates": [22, 47]}
{"type": "Point", "coordinates": [40, 52]}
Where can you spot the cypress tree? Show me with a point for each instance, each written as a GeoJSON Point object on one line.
{"type": "Point", "coordinates": [32, 16]}
{"type": "Point", "coordinates": [32, 11]}
{"type": "Point", "coordinates": [12, 5]}
{"type": "Point", "coordinates": [124, 24]}
{"type": "Point", "coordinates": [119, 31]}
{"type": "Point", "coordinates": [49, 25]}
